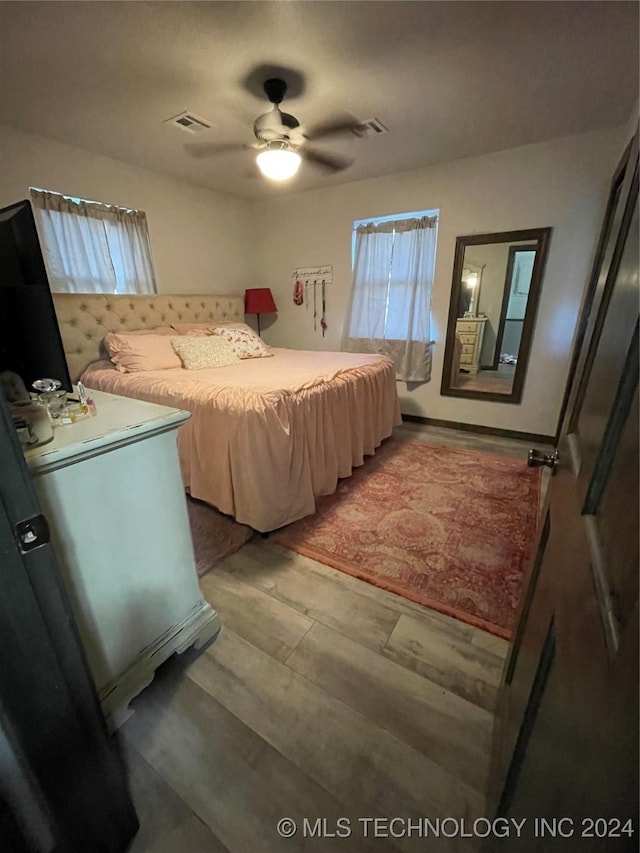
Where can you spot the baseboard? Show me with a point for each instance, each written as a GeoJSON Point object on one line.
{"type": "Point", "coordinates": [482, 430]}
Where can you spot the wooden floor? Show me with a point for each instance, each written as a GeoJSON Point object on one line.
{"type": "Point", "coordinates": [323, 697]}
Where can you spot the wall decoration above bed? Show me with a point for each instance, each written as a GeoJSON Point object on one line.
{"type": "Point", "coordinates": [312, 278]}
{"type": "Point", "coordinates": [313, 275]}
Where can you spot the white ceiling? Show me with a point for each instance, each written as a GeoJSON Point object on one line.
{"type": "Point", "coordinates": [449, 79]}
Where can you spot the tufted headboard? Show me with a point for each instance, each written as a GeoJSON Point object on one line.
{"type": "Point", "coordinates": [85, 318]}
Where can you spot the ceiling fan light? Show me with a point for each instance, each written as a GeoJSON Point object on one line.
{"type": "Point", "coordinates": [278, 164]}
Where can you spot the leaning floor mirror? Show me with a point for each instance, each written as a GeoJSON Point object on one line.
{"type": "Point", "coordinates": [494, 298]}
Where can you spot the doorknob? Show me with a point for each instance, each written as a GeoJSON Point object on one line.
{"type": "Point", "coordinates": [538, 458]}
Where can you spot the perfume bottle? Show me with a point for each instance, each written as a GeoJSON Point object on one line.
{"type": "Point", "coordinates": [82, 396]}
{"type": "Point", "coordinates": [52, 397]}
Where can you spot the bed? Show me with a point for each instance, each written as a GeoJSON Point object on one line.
{"type": "Point", "coordinates": [267, 436]}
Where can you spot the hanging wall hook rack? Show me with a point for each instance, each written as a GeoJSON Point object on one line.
{"type": "Point", "coordinates": [307, 275]}
{"type": "Point", "coordinates": [312, 277]}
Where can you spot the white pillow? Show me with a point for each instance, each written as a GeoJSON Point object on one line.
{"type": "Point", "coordinates": [196, 353]}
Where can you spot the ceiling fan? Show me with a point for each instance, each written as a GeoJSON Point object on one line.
{"type": "Point", "coordinates": [281, 141]}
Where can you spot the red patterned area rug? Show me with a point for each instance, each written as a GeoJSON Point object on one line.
{"type": "Point", "coordinates": [449, 529]}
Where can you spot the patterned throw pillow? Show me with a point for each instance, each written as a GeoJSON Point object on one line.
{"type": "Point", "coordinates": [197, 353]}
{"type": "Point", "coordinates": [245, 342]}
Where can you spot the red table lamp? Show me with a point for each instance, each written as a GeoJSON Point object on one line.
{"type": "Point", "coordinates": [259, 300]}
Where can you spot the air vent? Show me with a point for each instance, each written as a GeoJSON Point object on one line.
{"type": "Point", "coordinates": [374, 125]}
{"type": "Point", "coordinates": [189, 122]}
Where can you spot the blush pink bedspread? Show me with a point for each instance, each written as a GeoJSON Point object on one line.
{"type": "Point", "coordinates": [268, 436]}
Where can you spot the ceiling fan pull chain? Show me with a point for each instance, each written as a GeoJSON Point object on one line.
{"type": "Point", "coordinates": [323, 321]}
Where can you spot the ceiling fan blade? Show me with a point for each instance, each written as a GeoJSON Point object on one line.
{"type": "Point", "coordinates": [335, 127]}
{"type": "Point", "coordinates": [330, 162]}
{"type": "Point", "coordinates": [289, 121]}
{"type": "Point", "coordinates": [199, 150]}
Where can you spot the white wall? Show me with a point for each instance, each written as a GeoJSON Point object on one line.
{"type": "Point", "coordinates": [210, 242]}
{"type": "Point", "coordinates": [632, 121]}
{"type": "Point", "coordinates": [561, 183]}
{"type": "Point", "coordinates": [198, 237]}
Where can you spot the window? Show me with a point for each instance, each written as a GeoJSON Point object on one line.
{"type": "Point", "coordinates": [91, 247]}
{"type": "Point", "coordinates": [393, 267]}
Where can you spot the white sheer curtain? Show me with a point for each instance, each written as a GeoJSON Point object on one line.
{"type": "Point", "coordinates": [91, 247]}
{"type": "Point", "coordinates": [390, 304]}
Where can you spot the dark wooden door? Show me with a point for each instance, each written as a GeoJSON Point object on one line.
{"type": "Point", "coordinates": [63, 787]}
{"type": "Point", "coordinates": [566, 738]}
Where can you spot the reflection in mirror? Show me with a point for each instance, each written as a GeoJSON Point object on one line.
{"type": "Point", "coordinates": [496, 283]}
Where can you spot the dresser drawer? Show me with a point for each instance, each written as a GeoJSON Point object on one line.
{"type": "Point", "coordinates": [467, 349]}
{"type": "Point", "coordinates": [466, 359]}
{"type": "Point", "coordinates": [469, 339]}
{"type": "Point", "coordinates": [467, 326]}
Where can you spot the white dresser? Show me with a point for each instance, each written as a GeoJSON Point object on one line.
{"type": "Point", "coordinates": [470, 330]}
{"type": "Point", "coordinates": [111, 489]}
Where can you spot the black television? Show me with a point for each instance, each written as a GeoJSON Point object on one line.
{"type": "Point", "coordinates": [30, 342]}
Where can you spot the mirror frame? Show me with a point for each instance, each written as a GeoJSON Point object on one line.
{"type": "Point", "coordinates": [541, 236]}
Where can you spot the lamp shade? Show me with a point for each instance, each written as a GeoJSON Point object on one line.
{"type": "Point", "coordinates": [278, 164]}
{"type": "Point", "coordinates": [259, 300]}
